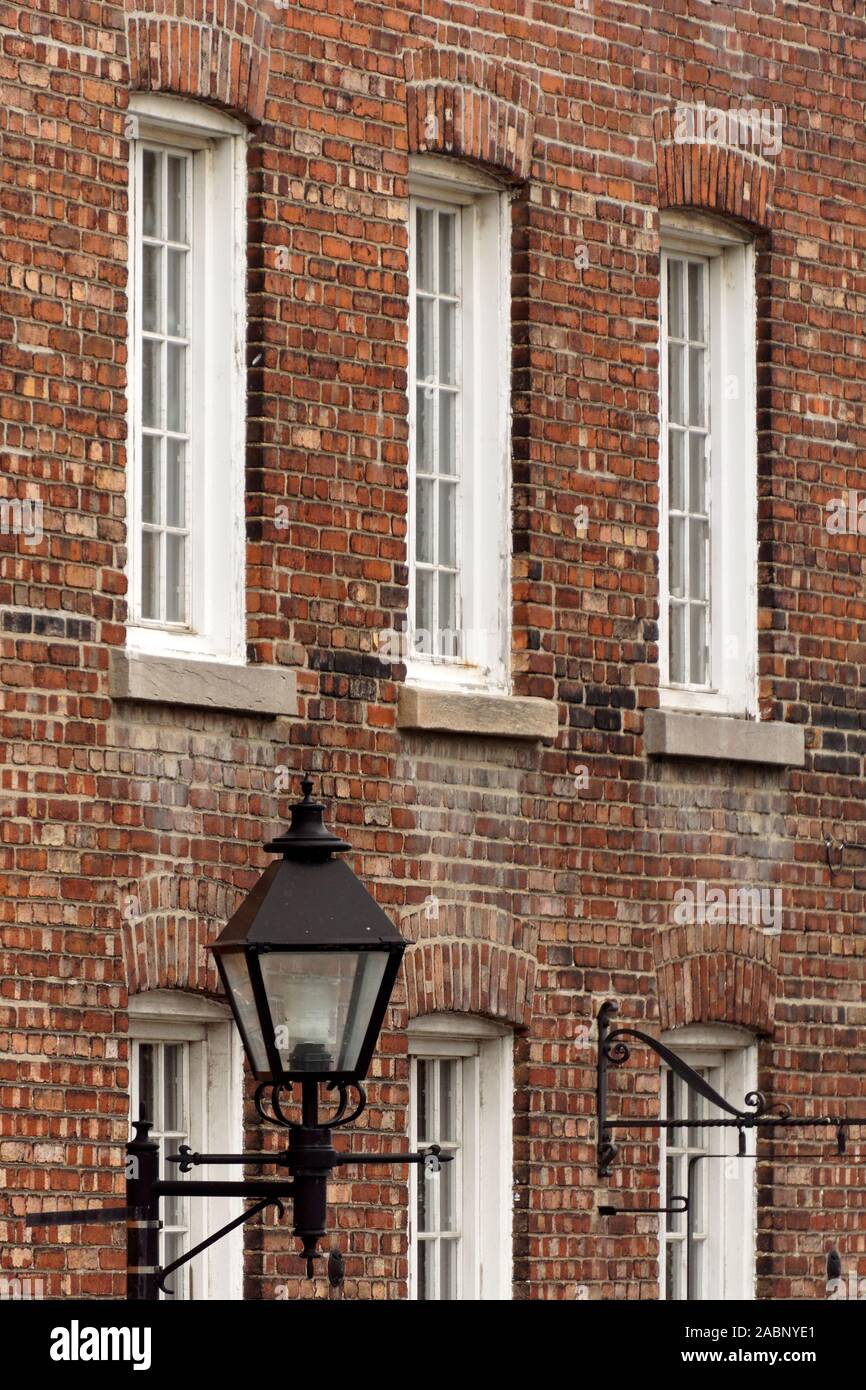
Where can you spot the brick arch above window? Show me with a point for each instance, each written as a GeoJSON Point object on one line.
{"type": "Point", "coordinates": [469, 958]}
{"type": "Point", "coordinates": [717, 973]}
{"type": "Point", "coordinates": [169, 921]}
{"type": "Point", "coordinates": [470, 107]}
{"type": "Point", "coordinates": [711, 177]}
{"type": "Point", "coordinates": [216, 51]}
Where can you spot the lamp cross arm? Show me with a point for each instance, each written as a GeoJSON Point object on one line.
{"type": "Point", "coordinates": [432, 1159]}
{"type": "Point", "coordinates": [187, 1159]}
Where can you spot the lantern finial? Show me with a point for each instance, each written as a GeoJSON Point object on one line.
{"type": "Point", "coordinates": [307, 837]}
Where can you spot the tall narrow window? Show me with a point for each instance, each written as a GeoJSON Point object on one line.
{"type": "Point", "coordinates": [439, 321]}
{"type": "Point", "coordinates": [460, 371]}
{"type": "Point", "coordinates": [708, 563]}
{"type": "Point", "coordinates": [185, 1070]}
{"type": "Point", "coordinates": [707, 1251]}
{"type": "Point", "coordinates": [460, 1218]}
{"type": "Point", "coordinates": [688, 460]}
{"type": "Point", "coordinates": [166, 185]}
{"type": "Point", "coordinates": [187, 269]}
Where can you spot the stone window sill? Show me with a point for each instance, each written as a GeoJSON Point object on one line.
{"type": "Point", "coordinates": [488, 716]}
{"type": "Point", "coordinates": [716, 737]}
{"type": "Point", "coordinates": [269, 691]}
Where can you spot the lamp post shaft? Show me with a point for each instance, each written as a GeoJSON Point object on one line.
{"type": "Point", "coordinates": [142, 1235]}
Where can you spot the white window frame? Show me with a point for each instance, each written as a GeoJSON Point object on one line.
{"type": "Point", "coordinates": [729, 1055]}
{"type": "Point", "coordinates": [217, 388]}
{"type": "Point", "coordinates": [215, 1120]}
{"type": "Point", "coordinates": [733, 504]}
{"type": "Point", "coordinates": [485, 1161]}
{"type": "Point", "coordinates": [484, 440]}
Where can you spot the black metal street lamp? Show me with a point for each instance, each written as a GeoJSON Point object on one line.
{"type": "Point", "coordinates": [308, 963]}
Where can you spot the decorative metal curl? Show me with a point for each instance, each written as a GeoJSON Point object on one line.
{"type": "Point", "coordinates": [607, 1152]}
{"type": "Point", "coordinates": [276, 1117]}
{"type": "Point", "coordinates": [342, 1088]}
{"type": "Point", "coordinates": [617, 1052]}
{"type": "Point", "coordinates": [757, 1101]}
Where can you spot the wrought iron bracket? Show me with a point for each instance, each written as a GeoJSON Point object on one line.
{"type": "Point", "coordinates": [211, 1240]}
{"type": "Point", "coordinates": [757, 1114]}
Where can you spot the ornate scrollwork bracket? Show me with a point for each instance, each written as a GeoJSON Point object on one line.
{"type": "Point", "coordinates": [276, 1101]}
{"type": "Point", "coordinates": [614, 1051]}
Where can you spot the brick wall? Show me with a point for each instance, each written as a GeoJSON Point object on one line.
{"type": "Point", "coordinates": [103, 804]}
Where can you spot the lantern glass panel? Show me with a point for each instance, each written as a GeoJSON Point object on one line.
{"type": "Point", "coordinates": [321, 1005]}
{"type": "Point", "coordinates": [234, 963]}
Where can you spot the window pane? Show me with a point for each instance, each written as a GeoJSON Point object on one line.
{"type": "Point", "coordinates": [697, 363]}
{"type": "Point", "coordinates": [677, 575]}
{"type": "Point", "coordinates": [672, 1270]}
{"type": "Point", "coordinates": [176, 387]}
{"type": "Point", "coordinates": [150, 574]}
{"type": "Point", "coordinates": [447, 1181]}
{"type": "Point", "coordinates": [447, 250]}
{"type": "Point", "coordinates": [421, 1083]}
{"type": "Point", "coordinates": [448, 1269]}
{"type": "Point", "coordinates": [426, 1278]}
{"type": "Point", "coordinates": [448, 613]}
{"type": "Point", "coordinates": [421, 1215]}
{"type": "Point", "coordinates": [175, 578]}
{"type": "Point", "coordinates": [173, 1082]}
{"type": "Point", "coordinates": [175, 483]}
{"type": "Point", "coordinates": [173, 1247]}
{"type": "Point", "coordinates": [678, 643]}
{"type": "Point", "coordinates": [151, 190]}
{"type": "Point", "coordinates": [424, 367]}
{"type": "Point", "coordinates": [447, 523]}
{"type": "Point", "coordinates": [173, 1209]}
{"type": "Point", "coordinates": [676, 392]}
{"type": "Point", "coordinates": [698, 644]}
{"type": "Point", "coordinates": [176, 199]}
{"type": "Point", "coordinates": [447, 342]}
{"type": "Point", "coordinates": [669, 1192]}
{"type": "Point", "coordinates": [698, 1182]}
{"type": "Point", "coordinates": [176, 293]}
{"type": "Point", "coordinates": [679, 1183]}
{"type": "Point", "coordinates": [675, 299]}
{"type": "Point", "coordinates": [150, 383]}
{"type": "Point", "coordinates": [676, 451]}
{"type": "Point", "coordinates": [696, 302]}
{"type": "Point", "coordinates": [425, 492]}
{"type": "Point", "coordinates": [150, 486]}
{"type": "Point", "coordinates": [697, 473]}
{"type": "Point", "coordinates": [697, 558]}
{"type": "Point", "coordinates": [146, 1093]}
{"type": "Point", "coordinates": [423, 611]}
{"type": "Point", "coordinates": [151, 288]}
{"type": "Point", "coordinates": [424, 236]}
{"type": "Point", "coordinates": [670, 1110]}
{"type": "Point", "coordinates": [425, 406]}
{"type": "Point", "coordinates": [447, 460]}
{"type": "Point", "coordinates": [447, 1102]}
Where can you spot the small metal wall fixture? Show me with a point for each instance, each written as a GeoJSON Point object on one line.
{"type": "Point", "coordinates": [756, 1114]}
